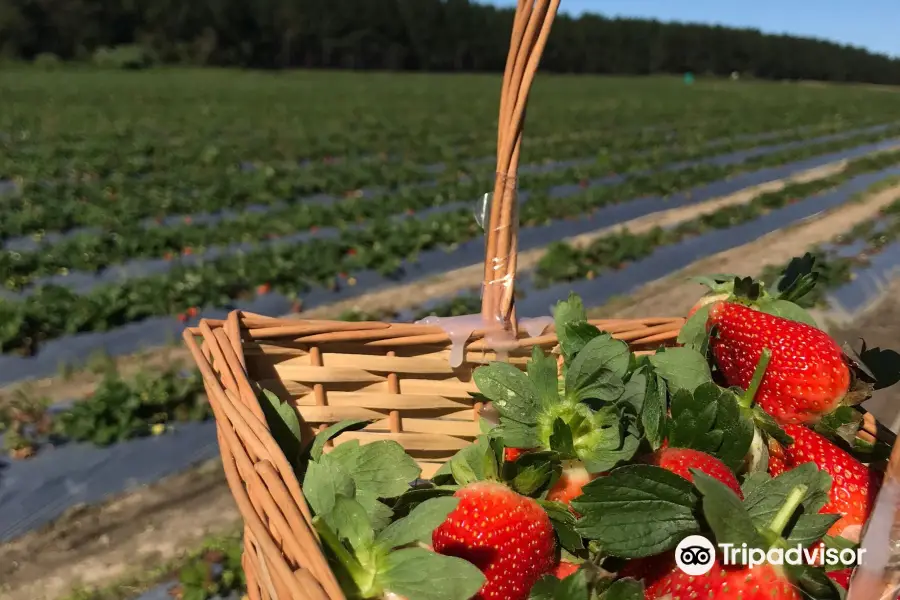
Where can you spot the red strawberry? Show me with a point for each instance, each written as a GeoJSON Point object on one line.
{"type": "Point", "coordinates": [508, 536]}
{"type": "Point", "coordinates": [842, 577]}
{"type": "Point", "coordinates": [564, 569]}
{"type": "Point", "coordinates": [807, 376]}
{"type": "Point", "coordinates": [853, 486]}
{"type": "Point", "coordinates": [513, 454]}
{"type": "Point", "coordinates": [681, 460]}
{"type": "Point", "coordinates": [570, 483]}
{"type": "Point", "coordinates": [704, 301]}
{"type": "Point", "coordinates": [763, 582]}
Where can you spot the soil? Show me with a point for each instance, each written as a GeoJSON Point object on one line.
{"type": "Point", "coordinates": [879, 325]}
{"type": "Point", "coordinates": [152, 526]}
{"type": "Point", "coordinates": [94, 545]}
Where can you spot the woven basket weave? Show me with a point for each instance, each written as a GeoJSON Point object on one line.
{"type": "Point", "coordinates": [397, 375]}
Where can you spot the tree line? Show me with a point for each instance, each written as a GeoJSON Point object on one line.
{"type": "Point", "coordinates": [429, 35]}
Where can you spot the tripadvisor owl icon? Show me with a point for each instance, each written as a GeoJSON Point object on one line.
{"type": "Point", "coordinates": [695, 555]}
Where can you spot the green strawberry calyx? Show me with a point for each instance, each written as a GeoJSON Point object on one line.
{"type": "Point", "coordinates": [576, 415]}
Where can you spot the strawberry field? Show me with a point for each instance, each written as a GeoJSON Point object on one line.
{"type": "Point", "coordinates": [136, 203]}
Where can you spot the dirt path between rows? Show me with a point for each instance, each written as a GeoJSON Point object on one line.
{"type": "Point", "coordinates": [879, 325]}
{"type": "Point", "coordinates": [81, 383]}
{"type": "Point", "coordinates": [157, 523]}
{"type": "Point", "coordinates": [674, 295]}
{"type": "Point", "coordinates": [92, 546]}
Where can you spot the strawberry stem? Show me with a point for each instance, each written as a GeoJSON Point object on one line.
{"type": "Point", "coordinates": [787, 510]}
{"type": "Point", "coordinates": [758, 374]}
{"type": "Point", "coordinates": [344, 557]}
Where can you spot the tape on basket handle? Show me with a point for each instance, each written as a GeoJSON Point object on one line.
{"type": "Point", "coordinates": [460, 328]}
{"type": "Point", "coordinates": [497, 291]}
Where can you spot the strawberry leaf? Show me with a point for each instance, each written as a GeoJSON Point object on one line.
{"type": "Point", "coordinates": [574, 337]}
{"type": "Point", "coordinates": [331, 432]}
{"type": "Point", "coordinates": [570, 310]}
{"type": "Point", "coordinates": [632, 399]}
{"type": "Point", "coordinates": [516, 435]}
{"type": "Point", "coordinates": [809, 529]}
{"type": "Point", "coordinates": [710, 420]}
{"type": "Point", "coordinates": [419, 524]}
{"type": "Point", "coordinates": [379, 513]}
{"type": "Point", "coordinates": [561, 439]}
{"type": "Point", "coordinates": [573, 587]}
{"type": "Point", "coordinates": [563, 522]}
{"type": "Point", "coordinates": [416, 496]}
{"type": "Point", "coordinates": [725, 514]}
{"type": "Point", "coordinates": [608, 447]}
{"type": "Point", "coordinates": [798, 279]}
{"type": "Point", "coordinates": [764, 501]}
{"type": "Point", "coordinates": [786, 310]}
{"type": "Point", "coordinates": [284, 424]}
{"type": "Point", "coordinates": [839, 543]}
{"type": "Point", "coordinates": [878, 367]}
{"type": "Point", "coordinates": [753, 481]}
{"type": "Point", "coordinates": [653, 413]}
{"type": "Point", "coordinates": [382, 468]}
{"type": "Point", "coordinates": [868, 452]}
{"type": "Point", "coordinates": [624, 589]}
{"type": "Point", "coordinates": [512, 393]}
{"type": "Point", "coordinates": [747, 288]}
{"type": "Point", "coordinates": [542, 373]}
{"type": "Point", "coordinates": [719, 282]}
{"type": "Point", "coordinates": [694, 334]}
{"type": "Point", "coordinates": [682, 368]}
{"type": "Point", "coordinates": [637, 511]}
{"type": "Point", "coordinates": [814, 582]}
{"type": "Point", "coordinates": [842, 424]}
{"type": "Point", "coordinates": [424, 575]}
{"type": "Point", "coordinates": [349, 521]}
{"type": "Point", "coordinates": [768, 425]}
{"type": "Point", "coordinates": [598, 369]}
{"type": "Point", "coordinates": [323, 482]}
{"type": "Point", "coordinates": [532, 478]}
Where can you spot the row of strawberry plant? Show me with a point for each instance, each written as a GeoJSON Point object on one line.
{"type": "Point", "coordinates": [224, 127]}
{"type": "Point", "coordinates": [833, 267]}
{"type": "Point", "coordinates": [565, 262]}
{"type": "Point", "coordinates": [835, 264]}
{"type": "Point", "coordinates": [95, 252]}
{"type": "Point", "coordinates": [63, 206]}
{"type": "Point", "coordinates": [336, 176]}
{"type": "Point", "coordinates": [119, 409]}
{"type": "Point", "coordinates": [53, 311]}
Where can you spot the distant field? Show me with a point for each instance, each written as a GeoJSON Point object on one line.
{"type": "Point", "coordinates": [157, 197]}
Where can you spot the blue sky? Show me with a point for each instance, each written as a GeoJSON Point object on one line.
{"type": "Point", "coordinates": [873, 24]}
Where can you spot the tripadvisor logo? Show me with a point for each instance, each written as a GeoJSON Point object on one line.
{"type": "Point", "coordinates": [695, 555]}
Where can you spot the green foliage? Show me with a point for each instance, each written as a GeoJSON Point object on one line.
{"type": "Point", "coordinates": [47, 61]}
{"type": "Point", "coordinates": [384, 34]}
{"type": "Point", "coordinates": [119, 409]}
{"type": "Point", "coordinates": [131, 57]}
{"type": "Point", "coordinates": [565, 263]}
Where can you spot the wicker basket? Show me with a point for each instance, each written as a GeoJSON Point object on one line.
{"type": "Point", "coordinates": [397, 375]}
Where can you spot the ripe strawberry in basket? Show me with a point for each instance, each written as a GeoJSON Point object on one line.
{"type": "Point", "coordinates": [681, 460]}
{"type": "Point", "coordinates": [854, 485]}
{"type": "Point", "coordinates": [808, 375]}
{"type": "Point", "coordinates": [506, 535]}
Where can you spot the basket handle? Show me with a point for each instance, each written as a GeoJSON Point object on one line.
{"type": "Point", "coordinates": [531, 27]}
